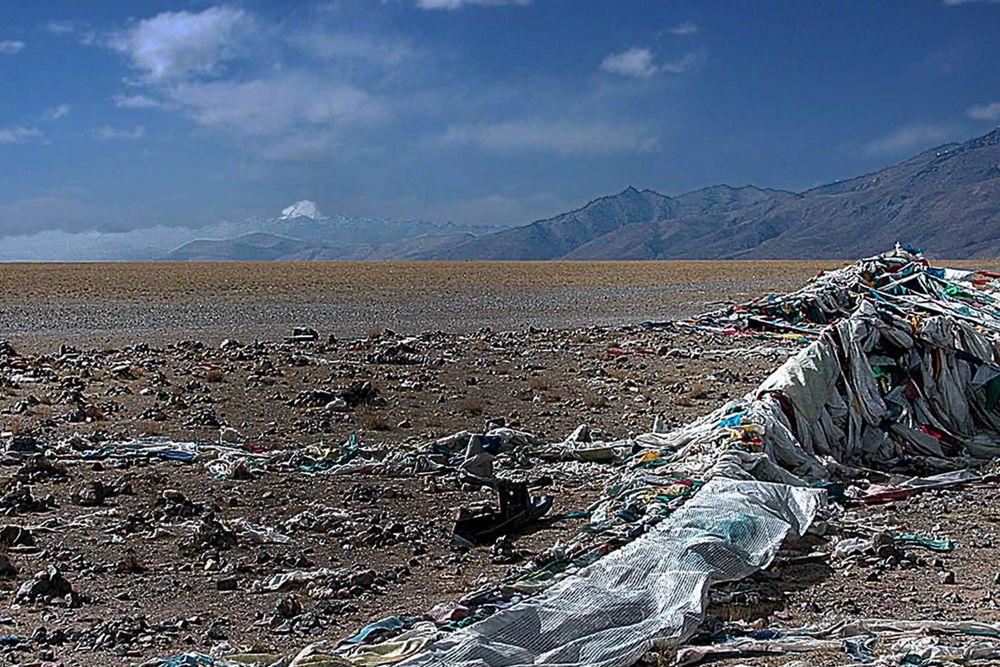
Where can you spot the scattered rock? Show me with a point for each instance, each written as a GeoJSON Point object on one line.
{"type": "Point", "coordinates": [227, 583]}
{"type": "Point", "coordinates": [7, 569]}
{"type": "Point", "coordinates": [48, 587]}
{"type": "Point", "coordinates": [209, 534]}
{"type": "Point", "coordinates": [88, 494]}
{"type": "Point", "coordinates": [172, 504]}
{"type": "Point", "coordinates": [19, 499]}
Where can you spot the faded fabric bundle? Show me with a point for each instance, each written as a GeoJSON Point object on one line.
{"type": "Point", "coordinates": [904, 378]}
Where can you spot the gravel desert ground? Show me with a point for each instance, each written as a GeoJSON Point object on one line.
{"type": "Point", "coordinates": [115, 556]}
{"type": "Point", "coordinates": [123, 303]}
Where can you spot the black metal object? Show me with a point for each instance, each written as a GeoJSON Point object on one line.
{"type": "Point", "coordinates": [517, 510]}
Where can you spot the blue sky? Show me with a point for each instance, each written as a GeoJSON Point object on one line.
{"type": "Point", "coordinates": [125, 115]}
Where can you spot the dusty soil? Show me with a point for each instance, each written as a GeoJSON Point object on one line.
{"type": "Point", "coordinates": [957, 585]}
{"type": "Point", "coordinates": [121, 304]}
{"type": "Point", "coordinates": [107, 353]}
{"type": "Point", "coordinates": [547, 382]}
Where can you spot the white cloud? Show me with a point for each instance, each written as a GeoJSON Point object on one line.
{"type": "Point", "coordinates": [686, 28]}
{"type": "Point", "coordinates": [17, 134]}
{"type": "Point", "coordinates": [564, 137]}
{"type": "Point", "coordinates": [135, 102]}
{"type": "Point", "coordinates": [634, 62]}
{"type": "Point", "coordinates": [274, 105]}
{"type": "Point", "coordinates": [174, 46]}
{"type": "Point", "coordinates": [107, 133]}
{"type": "Point", "coordinates": [458, 4]}
{"type": "Point", "coordinates": [281, 111]}
{"type": "Point", "coordinates": [641, 63]}
{"type": "Point", "coordinates": [984, 111]}
{"type": "Point", "coordinates": [10, 47]}
{"type": "Point", "coordinates": [56, 112]}
{"type": "Point", "coordinates": [910, 138]}
{"type": "Point", "coordinates": [952, 3]}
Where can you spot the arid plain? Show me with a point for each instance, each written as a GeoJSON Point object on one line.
{"type": "Point", "coordinates": [158, 556]}
{"type": "Point", "coordinates": [165, 301]}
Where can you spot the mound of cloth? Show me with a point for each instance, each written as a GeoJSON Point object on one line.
{"type": "Point", "coordinates": [902, 377]}
{"type": "Point", "coordinates": [901, 278]}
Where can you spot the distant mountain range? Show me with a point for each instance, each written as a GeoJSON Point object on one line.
{"type": "Point", "coordinates": [303, 233]}
{"type": "Point", "coordinates": [946, 200]}
{"type": "Point", "coordinates": [300, 232]}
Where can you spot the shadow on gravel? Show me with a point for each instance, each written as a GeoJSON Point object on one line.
{"type": "Point", "coordinates": [762, 595]}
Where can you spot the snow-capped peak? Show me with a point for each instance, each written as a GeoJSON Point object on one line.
{"type": "Point", "coordinates": [302, 209]}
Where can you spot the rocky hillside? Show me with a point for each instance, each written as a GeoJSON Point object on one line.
{"type": "Point", "coordinates": [946, 200]}
{"type": "Point", "coordinates": [600, 221]}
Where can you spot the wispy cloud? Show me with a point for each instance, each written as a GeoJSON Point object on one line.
{"type": "Point", "coordinates": [682, 65]}
{"type": "Point", "coordinates": [301, 145]}
{"type": "Point", "coordinates": [641, 63]}
{"type": "Point", "coordinates": [206, 66]}
{"type": "Point", "coordinates": [135, 102]}
{"type": "Point", "coordinates": [562, 137]}
{"type": "Point", "coordinates": [17, 134]}
{"type": "Point", "coordinates": [458, 4]}
{"type": "Point", "coordinates": [108, 133]}
{"type": "Point", "coordinates": [686, 28]}
{"type": "Point", "coordinates": [10, 47]}
{"type": "Point", "coordinates": [61, 27]}
{"type": "Point", "coordinates": [945, 60]}
{"type": "Point", "coordinates": [56, 112]}
{"type": "Point", "coordinates": [82, 32]}
{"type": "Point", "coordinates": [271, 106]}
{"type": "Point", "coordinates": [635, 62]}
{"type": "Point", "coordinates": [335, 45]}
{"type": "Point", "coordinates": [984, 111]}
{"type": "Point", "coordinates": [953, 3]}
{"type": "Point", "coordinates": [910, 138]}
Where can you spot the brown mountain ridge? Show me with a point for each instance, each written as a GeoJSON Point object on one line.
{"type": "Point", "coordinates": [946, 199]}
